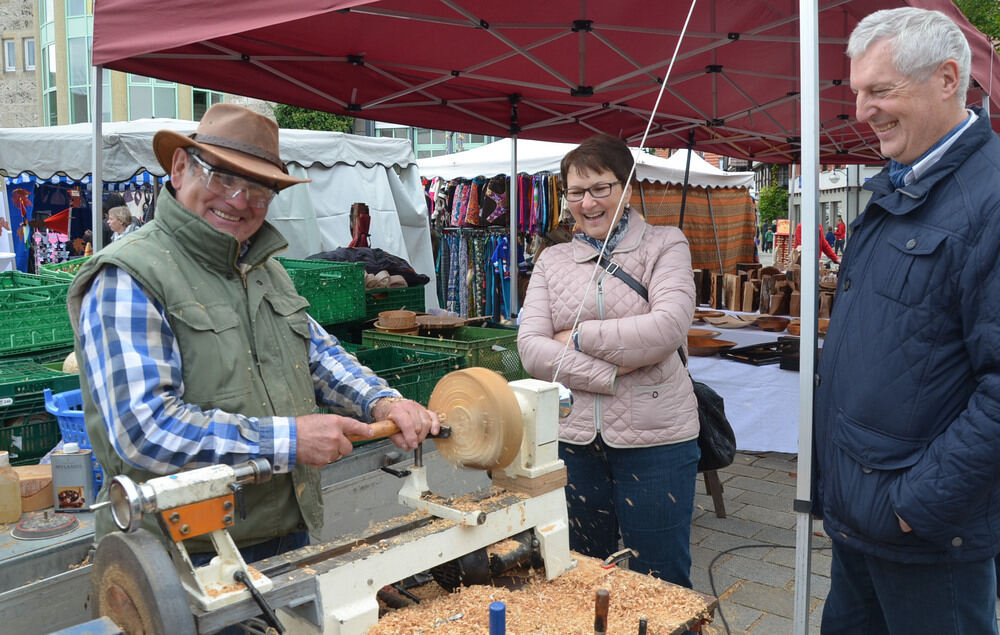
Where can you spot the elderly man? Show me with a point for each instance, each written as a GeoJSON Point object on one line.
{"type": "Point", "coordinates": [908, 399]}
{"type": "Point", "coordinates": [195, 348]}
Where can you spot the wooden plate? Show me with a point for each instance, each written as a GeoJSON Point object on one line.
{"type": "Point", "coordinates": [727, 322]}
{"type": "Point", "coordinates": [707, 346]}
{"type": "Point", "coordinates": [700, 314]}
{"type": "Point", "coordinates": [413, 330]}
{"type": "Point", "coordinates": [702, 333]}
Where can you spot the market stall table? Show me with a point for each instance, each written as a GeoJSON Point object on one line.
{"type": "Point", "coordinates": [762, 402]}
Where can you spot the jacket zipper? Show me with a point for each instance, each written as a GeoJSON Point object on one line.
{"type": "Point", "coordinates": [600, 315]}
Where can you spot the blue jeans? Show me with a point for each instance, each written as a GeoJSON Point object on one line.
{"type": "Point", "coordinates": [870, 595]}
{"type": "Point", "coordinates": [646, 494]}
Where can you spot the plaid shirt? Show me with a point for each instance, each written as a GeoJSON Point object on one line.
{"type": "Point", "coordinates": [133, 366]}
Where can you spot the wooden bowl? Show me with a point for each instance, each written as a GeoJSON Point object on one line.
{"type": "Point", "coordinates": [794, 327]}
{"type": "Point", "coordinates": [772, 323]}
{"type": "Point", "coordinates": [727, 321]}
{"type": "Point", "coordinates": [381, 328]}
{"type": "Point", "coordinates": [700, 314]}
{"type": "Point", "coordinates": [702, 333]}
{"type": "Point", "coordinates": [707, 346]}
{"type": "Point", "coordinates": [397, 319]}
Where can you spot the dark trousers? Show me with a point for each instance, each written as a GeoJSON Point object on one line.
{"type": "Point", "coordinates": [870, 596]}
{"type": "Point", "coordinates": [644, 494]}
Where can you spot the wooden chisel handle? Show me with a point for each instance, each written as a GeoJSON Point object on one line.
{"type": "Point", "coordinates": [387, 427]}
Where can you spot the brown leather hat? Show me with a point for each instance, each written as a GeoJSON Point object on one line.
{"type": "Point", "coordinates": [233, 138]}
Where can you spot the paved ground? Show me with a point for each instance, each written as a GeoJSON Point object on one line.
{"type": "Point", "coordinates": [747, 559]}
{"type": "Point", "coordinates": [751, 552]}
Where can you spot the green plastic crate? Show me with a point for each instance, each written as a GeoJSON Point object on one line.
{"type": "Point", "coordinates": [20, 291]}
{"type": "Point", "coordinates": [31, 330]}
{"type": "Point", "coordinates": [64, 271]}
{"type": "Point", "coordinates": [377, 300]}
{"type": "Point", "coordinates": [22, 383]}
{"type": "Point", "coordinates": [414, 373]}
{"type": "Point", "coordinates": [495, 349]}
{"type": "Point", "coordinates": [43, 356]}
{"type": "Point", "coordinates": [31, 440]}
{"type": "Point", "coordinates": [335, 290]}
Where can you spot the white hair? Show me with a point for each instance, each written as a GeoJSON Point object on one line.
{"type": "Point", "coordinates": [921, 41]}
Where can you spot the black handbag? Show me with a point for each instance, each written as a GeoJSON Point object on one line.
{"type": "Point", "coordinates": [716, 438]}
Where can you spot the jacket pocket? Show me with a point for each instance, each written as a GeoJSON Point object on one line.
{"type": "Point", "coordinates": [648, 403]}
{"type": "Point", "coordinates": [866, 463]}
{"type": "Point", "coordinates": [908, 265]}
{"type": "Point", "coordinates": [212, 349]}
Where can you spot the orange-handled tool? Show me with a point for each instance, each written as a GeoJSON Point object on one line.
{"type": "Point", "coordinates": [387, 427]}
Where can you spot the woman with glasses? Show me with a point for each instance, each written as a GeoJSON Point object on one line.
{"type": "Point", "coordinates": [611, 334]}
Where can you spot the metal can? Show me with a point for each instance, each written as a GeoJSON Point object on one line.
{"type": "Point", "coordinates": [72, 479]}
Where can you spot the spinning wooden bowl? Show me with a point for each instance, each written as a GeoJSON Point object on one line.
{"type": "Point", "coordinates": [483, 414]}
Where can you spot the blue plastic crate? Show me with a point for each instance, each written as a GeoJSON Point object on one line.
{"type": "Point", "coordinates": [67, 407]}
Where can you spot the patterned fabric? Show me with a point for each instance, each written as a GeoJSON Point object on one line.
{"type": "Point", "coordinates": [616, 235]}
{"type": "Point", "coordinates": [148, 422]}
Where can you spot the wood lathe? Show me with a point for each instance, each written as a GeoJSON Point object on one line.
{"type": "Point", "coordinates": [148, 583]}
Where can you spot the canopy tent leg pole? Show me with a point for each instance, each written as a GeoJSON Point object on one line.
{"type": "Point", "coordinates": [97, 176]}
{"type": "Point", "coordinates": [715, 230]}
{"type": "Point", "coordinates": [808, 74]}
{"type": "Point", "coordinates": [687, 175]}
{"type": "Point", "coordinates": [514, 208]}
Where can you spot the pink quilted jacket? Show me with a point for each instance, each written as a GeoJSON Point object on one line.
{"type": "Point", "coordinates": [653, 405]}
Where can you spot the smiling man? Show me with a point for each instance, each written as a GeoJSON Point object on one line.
{"type": "Point", "coordinates": [195, 348]}
{"type": "Point", "coordinates": [907, 413]}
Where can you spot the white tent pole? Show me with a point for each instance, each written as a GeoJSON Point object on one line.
{"type": "Point", "coordinates": [97, 176]}
{"type": "Point", "coordinates": [513, 206]}
{"type": "Point", "coordinates": [808, 74]}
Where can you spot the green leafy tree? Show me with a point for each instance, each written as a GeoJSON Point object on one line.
{"type": "Point", "coordinates": [305, 119]}
{"type": "Point", "coordinates": [772, 203]}
{"type": "Point", "coordinates": [984, 15]}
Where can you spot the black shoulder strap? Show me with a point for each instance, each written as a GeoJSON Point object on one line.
{"type": "Point", "coordinates": [616, 271]}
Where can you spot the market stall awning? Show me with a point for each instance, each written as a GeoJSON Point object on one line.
{"type": "Point", "coordinates": [557, 71]}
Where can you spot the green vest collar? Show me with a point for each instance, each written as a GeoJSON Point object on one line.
{"type": "Point", "coordinates": [217, 250]}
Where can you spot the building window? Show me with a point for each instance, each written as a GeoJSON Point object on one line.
{"type": "Point", "coordinates": [49, 96]}
{"type": "Point", "coordinates": [78, 51]}
{"type": "Point", "coordinates": [149, 97]}
{"type": "Point", "coordinates": [9, 55]}
{"type": "Point", "coordinates": [202, 100]}
{"type": "Point", "coordinates": [29, 53]}
{"type": "Point", "coordinates": [75, 8]}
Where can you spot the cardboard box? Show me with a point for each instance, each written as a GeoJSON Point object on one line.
{"type": "Point", "coordinates": [36, 487]}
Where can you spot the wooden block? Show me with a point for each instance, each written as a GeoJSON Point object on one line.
{"type": "Point", "coordinates": [751, 296]}
{"type": "Point", "coordinates": [699, 282]}
{"type": "Point", "coordinates": [36, 487]}
{"type": "Point", "coordinates": [794, 304]}
{"type": "Point", "coordinates": [825, 304]}
{"type": "Point", "coordinates": [752, 269]}
{"type": "Point", "coordinates": [778, 304]}
{"type": "Point", "coordinates": [531, 486]}
{"type": "Point", "coordinates": [733, 296]}
{"type": "Point", "coordinates": [715, 300]}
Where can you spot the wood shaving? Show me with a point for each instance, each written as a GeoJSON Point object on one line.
{"type": "Point", "coordinates": [564, 606]}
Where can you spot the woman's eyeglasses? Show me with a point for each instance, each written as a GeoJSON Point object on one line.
{"type": "Point", "coordinates": [229, 185]}
{"type": "Point", "coordinates": [598, 190]}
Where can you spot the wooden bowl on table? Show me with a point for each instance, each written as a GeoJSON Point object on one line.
{"type": "Point", "coordinates": [397, 320]}
{"type": "Point", "coordinates": [702, 333]}
{"type": "Point", "coordinates": [772, 323]}
{"type": "Point", "coordinates": [795, 326]}
{"type": "Point", "coordinates": [707, 346]}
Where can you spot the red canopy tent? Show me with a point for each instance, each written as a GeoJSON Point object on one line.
{"type": "Point", "coordinates": [558, 70]}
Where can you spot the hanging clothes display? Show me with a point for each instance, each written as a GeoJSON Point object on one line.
{"type": "Point", "coordinates": [471, 216]}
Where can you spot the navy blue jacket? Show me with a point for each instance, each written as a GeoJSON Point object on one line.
{"type": "Point", "coordinates": [907, 411]}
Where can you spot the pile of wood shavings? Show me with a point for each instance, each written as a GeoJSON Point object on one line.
{"type": "Point", "coordinates": [564, 606]}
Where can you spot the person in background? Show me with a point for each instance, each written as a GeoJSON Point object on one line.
{"type": "Point", "coordinates": [195, 349]}
{"type": "Point", "coordinates": [769, 239]}
{"type": "Point", "coordinates": [840, 236]}
{"type": "Point", "coordinates": [631, 442]}
{"type": "Point", "coordinates": [121, 222]}
{"type": "Point", "coordinates": [824, 246]}
{"type": "Point", "coordinates": [907, 405]}
{"type": "Point", "coordinates": [829, 236]}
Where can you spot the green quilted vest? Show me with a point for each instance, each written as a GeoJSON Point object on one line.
{"type": "Point", "coordinates": [243, 334]}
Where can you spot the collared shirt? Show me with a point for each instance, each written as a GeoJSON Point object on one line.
{"type": "Point", "coordinates": [133, 366]}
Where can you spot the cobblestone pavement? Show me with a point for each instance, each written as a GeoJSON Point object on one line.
{"type": "Point", "coordinates": [751, 552]}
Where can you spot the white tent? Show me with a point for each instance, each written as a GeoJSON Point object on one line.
{"type": "Point", "coordinates": [314, 217]}
{"type": "Point", "coordinates": [544, 156]}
